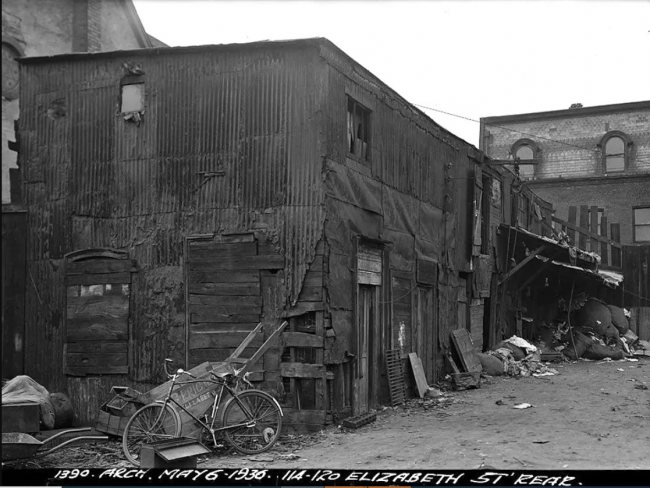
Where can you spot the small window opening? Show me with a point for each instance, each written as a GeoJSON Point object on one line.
{"type": "Point", "coordinates": [132, 98]}
{"type": "Point", "coordinates": [358, 130]}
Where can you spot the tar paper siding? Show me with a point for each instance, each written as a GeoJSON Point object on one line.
{"type": "Point", "coordinates": [228, 144]}
{"type": "Point", "coordinates": [412, 196]}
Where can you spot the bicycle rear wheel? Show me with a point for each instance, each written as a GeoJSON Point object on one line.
{"type": "Point", "coordinates": [152, 423]}
{"type": "Point", "coordinates": [252, 424]}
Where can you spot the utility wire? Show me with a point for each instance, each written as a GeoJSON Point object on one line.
{"type": "Point", "coordinates": [508, 128]}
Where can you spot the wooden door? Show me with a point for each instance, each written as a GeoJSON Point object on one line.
{"type": "Point", "coordinates": [427, 340]}
{"type": "Point", "coordinates": [366, 344]}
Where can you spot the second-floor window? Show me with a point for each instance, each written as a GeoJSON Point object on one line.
{"type": "Point", "coordinates": [525, 150]}
{"type": "Point", "coordinates": [642, 224]}
{"type": "Point", "coordinates": [614, 155]}
{"type": "Point", "coordinates": [358, 134]}
{"type": "Point", "coordinates": [526, 171]}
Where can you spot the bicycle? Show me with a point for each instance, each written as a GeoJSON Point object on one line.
{"type": "Point", "coordinates": [251, 421]}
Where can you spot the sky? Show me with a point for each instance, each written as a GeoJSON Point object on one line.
{"type": "Point", "coordinates": [468, 58]}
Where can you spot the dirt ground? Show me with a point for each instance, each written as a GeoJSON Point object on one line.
{"type": "Point", "coordinates": [592, 415]}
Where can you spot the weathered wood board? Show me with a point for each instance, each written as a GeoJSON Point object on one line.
{"type": "Point", "coordinates": [418, 372]}
{"type": "Point", "coordinates": [466, 351]}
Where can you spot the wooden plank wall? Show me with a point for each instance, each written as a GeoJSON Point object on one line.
{"type": "Point", "coordinates": [225, 297]}
{"type": "Point", "coordinates": [97, 315]}
{"type": "Point", "coordinates": [590, 238]}
{"type": "Point", "coordinates": [303, 371]}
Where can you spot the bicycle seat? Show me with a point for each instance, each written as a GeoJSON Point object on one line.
{"type": "Point", "coordinates": [224, 374]}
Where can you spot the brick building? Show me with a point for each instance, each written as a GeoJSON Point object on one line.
{"type": "Point", "coordinates": [593, 165]}
{"type": "Point", "coordinates": [49, 27]}
{"type": "Point", "coordinates": [592, 156]}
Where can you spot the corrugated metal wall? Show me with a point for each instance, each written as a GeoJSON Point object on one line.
{"type": "Point", "coordinates": [228, 143]}
{"type": "Point", "coordinates": [422, 208]}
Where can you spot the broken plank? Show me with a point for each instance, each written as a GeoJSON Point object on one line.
{"type": "Point", "coordinates": [266, 261]}
{"type": "Point", "coordinates": [225, 276]}
{"type": "Point", "coordinates": [98, 329]}
{"type": "Point", "coordinates": [97, 347]}
{"type": "Point", "coordinates": [226, 289]}
{"type": "Point", "coordinates": [418, 373]}
{"type": "Point", "coordinates": [300, 339]}
{"type": "Point", "coordinates": [222, 327]}
{"type": "Point", "coordinates": [225, 309]}
{"type": "Point", "coordinates": [202, 340]}
{"type": "Point", "coordinates": [101, 266]}
{"type": "Point", "coordinates": [245, 341]}
{"type": "Point", "coordinates": [523, 263]}
{"type": "Point", "coordinates": [466, 351]}
{"type": "Point", "coordinates": [223, 317]}
{"type": "Point", "coordinates": [302, 370]}
{"type": "Point", "coordinates": [219, 300]}
{"type": "Point", "coordinates": [270, 342]}
{"type": "Point", "coordinates": [94, 370]}
{"type": "Point", "coordinates": [223, 356]}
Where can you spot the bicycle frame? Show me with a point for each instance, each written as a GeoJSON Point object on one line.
{"type": "Point", "coordinates": [222, 383]}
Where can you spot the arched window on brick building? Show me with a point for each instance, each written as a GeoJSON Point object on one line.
{"type": "Point", "coordinates": [526, 149]}
{"type": "Point", "coordinates": [615, 148]}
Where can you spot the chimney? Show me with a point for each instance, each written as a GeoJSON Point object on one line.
{"type": "Point", "coordinates": [86, 25]}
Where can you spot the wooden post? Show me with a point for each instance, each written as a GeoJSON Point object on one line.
{"type": "Point", "coordinates": [616, 251]}
{"type": "Point", "coordinates": [584, 223]}
{"type": "Point", "coordinates": [573, 211]}
{"type": "Point", "coordinates": [594, 228]}
{"type": "Point", "coordinates": [321, 384]}
{"type": "Point", "coordinates": [604, 248]}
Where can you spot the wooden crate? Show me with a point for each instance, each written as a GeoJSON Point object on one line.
{"type": "Point", "coordinates": [111, 424]}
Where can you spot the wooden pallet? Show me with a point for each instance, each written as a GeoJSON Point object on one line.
{"type": "Point", "coordinates": [395, 370]}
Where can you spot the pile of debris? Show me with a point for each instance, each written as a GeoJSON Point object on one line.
{"type": "Point", "coordinates": [594, 330]}
{"type": "Point", "coordinates": [515, 357]}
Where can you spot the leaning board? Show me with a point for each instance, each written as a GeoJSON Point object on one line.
{"type": "Point", "coordinates": [418, 372]}
{"type": "Point", "coordinates": [466, 351]}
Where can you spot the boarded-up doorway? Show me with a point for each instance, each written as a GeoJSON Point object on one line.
{"type": "Point", "coordinates": [224, 296]}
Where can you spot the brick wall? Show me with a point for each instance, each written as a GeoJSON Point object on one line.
{"type": "Point", "coordinates": [617, 197]}
{"type": "Point", "coordinates": [571, 169]}
{"type": "Point", "coordinates": [569, 145]}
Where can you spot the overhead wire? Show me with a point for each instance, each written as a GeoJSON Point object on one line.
{"type": "Point", "coordinates": [510, 129]}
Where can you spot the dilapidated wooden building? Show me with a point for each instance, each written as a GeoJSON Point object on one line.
{"type": "Point", "coordinates": [178, 196]}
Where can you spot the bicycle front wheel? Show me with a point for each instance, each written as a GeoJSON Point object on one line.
{"type": "Point", "coordinates": [252, 422]}
{"type": "Point", "coordinates": [152, 423]}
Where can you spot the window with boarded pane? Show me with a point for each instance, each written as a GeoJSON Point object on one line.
{"type": "Point", "coordinates": [358, 134]}
{"type": "Point", "coordinates": [97, 314]}
{"type": "Point", "coordinates": [642, 224]}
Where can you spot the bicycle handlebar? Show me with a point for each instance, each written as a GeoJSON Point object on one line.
{"type": "Point", "coordinates": [179, 371]}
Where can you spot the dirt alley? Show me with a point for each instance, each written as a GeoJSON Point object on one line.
{"type": "Point", "coordinates": [593, 415]}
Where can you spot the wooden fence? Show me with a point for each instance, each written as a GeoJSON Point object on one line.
{"type": "Point", "coordinates": [586, 235]}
